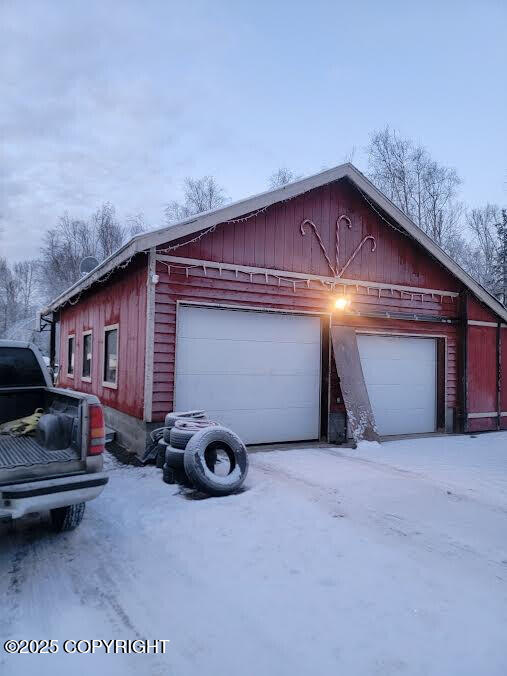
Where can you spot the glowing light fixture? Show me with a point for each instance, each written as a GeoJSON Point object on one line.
{"type": "Point", "coordinates": [342, 303]}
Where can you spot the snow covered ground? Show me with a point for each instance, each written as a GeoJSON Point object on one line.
{"type": "Point", "coordinates": [388, 559]}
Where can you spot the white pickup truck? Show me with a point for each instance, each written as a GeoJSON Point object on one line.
{"type": "Point", "coordinates": [59, 466]}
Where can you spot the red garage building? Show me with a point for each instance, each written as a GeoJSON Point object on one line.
{"type": "Point", "coordinates": [234, 311]}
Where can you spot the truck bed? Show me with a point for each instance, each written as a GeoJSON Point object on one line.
{"type": "Point", "coordinates": [26, 452]}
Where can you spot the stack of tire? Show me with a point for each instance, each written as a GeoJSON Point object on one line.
{"type": "Point", "coordinates": [188, 453]}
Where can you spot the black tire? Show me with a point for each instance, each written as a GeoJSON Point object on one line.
{"type": "Point", "coordinates": [172, 417]}
{"type": "Point", "coordinates": [160, 459]}
{"type": "Point", "coordinates": [172, 475]}
{"type": "Point", "coordinates": [200, 460]}
{"type": "Point", "coordinates": [168, 475]}
{"type": "Point", "coordinates": [180, 438]}
{"type": "Point", "coordinates": [67, 518]}
{"type": "Point", "coordinates": [174, 457]}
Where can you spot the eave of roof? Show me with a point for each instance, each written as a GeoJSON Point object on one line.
{"type": "Point", "coordinates": [189, 226]}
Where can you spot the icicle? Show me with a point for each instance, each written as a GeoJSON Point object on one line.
{"type": "Point", "coordinates": [266, 277]}
{"type": "Point", "coordinates": [236, 271]}
{"type": "Point", "coordinates": [205, 271]}
{"type": "Point", "coordinates": [294, 285]}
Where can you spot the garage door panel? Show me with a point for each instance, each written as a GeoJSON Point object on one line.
{"type": "Point", "coordinates": [402, 421]}
{"type": "Point", "coordinates": [224, 356]}
{"type": "Point", "coordinates": [396, 396]}
{"type": "Point", "coordinates": [256, 372]}
{"type": "Point", "coordinates": [240, 325]}
{"type": "Point", "coordinates": [264, 426]}
{"type": "Point", "coordinates": [384, 371]}
{"type": "Point", "coordinates": [238, 391]}
{"type": "Point", "coordinates": [400, 376]}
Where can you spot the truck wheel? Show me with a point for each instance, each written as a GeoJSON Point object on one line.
{"type": "Point", "coordinates": [67, 518]}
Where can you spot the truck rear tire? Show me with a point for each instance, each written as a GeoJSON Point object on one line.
{"type": "Point", "coordinates": [67, 518]}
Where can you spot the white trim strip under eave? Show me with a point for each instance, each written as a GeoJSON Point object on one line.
{"type": "Point", "coordinates": [491, 414]}
{"type": "Point", "coordinates": [338, 281]}
{"type": "Point", "coordinates": [477, 322]}
{"type": "Point", "coordinates": [202, 221]}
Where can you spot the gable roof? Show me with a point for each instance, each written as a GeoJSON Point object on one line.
{"type": "Point", "coordinates": [194, 224]}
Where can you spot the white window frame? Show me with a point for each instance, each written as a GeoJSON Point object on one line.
{"type": "Point", "coordinates": [106, 329]}
{"type": "Point", "coordinates": [71, 375]}
{"type": "Point", "coordinates": [86, 379]}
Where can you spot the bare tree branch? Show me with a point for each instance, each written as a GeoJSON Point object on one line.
{"type": "Point", "coordinates": [200, 194]}
{"type": "Point", "coordinates": [281, 177]}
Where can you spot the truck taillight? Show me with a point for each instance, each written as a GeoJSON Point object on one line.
{"type": "Point", "coordinates": [97, 430]}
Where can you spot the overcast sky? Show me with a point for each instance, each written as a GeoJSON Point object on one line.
{"type": "Point", "coordinates": [120, 101]}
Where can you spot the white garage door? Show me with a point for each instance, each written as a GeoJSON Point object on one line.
{"type": "Point", "coordinates": [400, 375]}
{"type": "Point", "coordinates": [256, 372]}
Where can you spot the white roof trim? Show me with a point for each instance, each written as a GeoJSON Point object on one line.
{"type": "Point", "coordinates": [194, 224]}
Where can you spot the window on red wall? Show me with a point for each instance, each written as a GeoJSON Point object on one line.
{"type": "Point", "coordinates": [110, 372]}
{"type": "Point", "coordinates": [86, 372]}
{"type": "Point", "coordinates": [70, 355]}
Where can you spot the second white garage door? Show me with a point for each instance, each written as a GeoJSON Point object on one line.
{"type": "Point", "coordinates": [400, 375]}
{"type": "Point", "coordinates": [256, 372]}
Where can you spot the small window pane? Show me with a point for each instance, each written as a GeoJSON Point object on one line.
{"type": "Point", "coordinates": [111, 356]}
{"type": "Point", "coordinates": [70, 356]}
{"type": "Point", "coordinates": [87, 355]}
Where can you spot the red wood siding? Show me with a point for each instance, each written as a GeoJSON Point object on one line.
{"type": "Point", "coordinates": [226, 289]}
{"type": "Point", "coordinates": [121, 300]}
{"type": "Point", "coordinates": [482, 370]}
{"type": "Point", "coordinates": [482, 367]}
{"type": "Point", "coordinates": [273, 240]}
{"type": "Point", "coordinates": [503, 380]}
{"type": "Point", "coordinates": [477, 311]}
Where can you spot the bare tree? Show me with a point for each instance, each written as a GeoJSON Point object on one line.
{"type": "Point", "coordinates": [281, 177]}
{"type": "Point", "coordinates": [25, 278]}
{"type": "Point", "coordinates": [423, 189]}
{"type": "Point", "coordinates": [71, 240]}
{"type": "Point", "coordinates": [482, 223]}
{"type": "Point", "coordinates": [135, 224]}
{"type": "Point", "coordinates": [501, 258]}
{"type": "Point", "coordinates": [200, 194]}
{"type": "Point", "coordinates": [110, 234]}
{"type": "Point", "coordinates": [8, 297]}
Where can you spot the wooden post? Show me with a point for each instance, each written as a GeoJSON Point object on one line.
{"type": "Point", "coordinates": [150, 336]}
{"type": "Point", "coordinates": [355, 395]}
{"type": "Point", "coordinates": [498, 374]}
